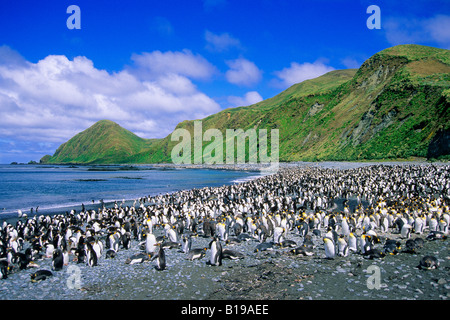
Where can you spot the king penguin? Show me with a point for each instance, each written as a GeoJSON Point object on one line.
{"type": "Point", "coordinates": [186, 244]}
{"type": "Point", "coordinates": [91, 255]}
{"type": "Point", "coordinates": [216, 252]}
{"type": "Point", "coordinates": [40, 275]}
{"type": "Point", "coordinates": [406, 231]}
{"type": "Point", "coordinates": [58, 261]}
{"type": "Point", "coordinates": [196, 254]}
{"type": "Point", "coordinates": [160, 258]}
{"type": "Point", "coordinates": [352, 242]}
{"type": "Point", "coordinates": [329, 248]}
{"type": "Point", "coordinates": [342, 247]}
{"type": "Point", "coordinates": [150, 243]}
{"type": "Point", "coordinates": [428, 262]}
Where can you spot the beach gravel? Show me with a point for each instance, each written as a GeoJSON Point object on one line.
{"type": "Point", "coordinates": [268, 275]}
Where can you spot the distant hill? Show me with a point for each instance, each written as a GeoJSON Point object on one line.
{"type": "Point", "coordinates": [396, 105]}
{"type": "Point", "coordinates": [104, 142]}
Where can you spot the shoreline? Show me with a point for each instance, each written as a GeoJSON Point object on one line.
{"type": "Point", "coordinates": [11, 214]}
{"type": "Point", "coordinates": [257, 168]}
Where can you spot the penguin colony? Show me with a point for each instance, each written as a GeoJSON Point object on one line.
{"type": "Point", "coordinates": [299, 203]}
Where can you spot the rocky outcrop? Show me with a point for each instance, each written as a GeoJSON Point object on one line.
{"type": "Point", "coordinates": [440, 145]}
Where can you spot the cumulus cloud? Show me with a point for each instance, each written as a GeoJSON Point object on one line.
{"type": "Point", "coordinates": [434, 30]}
{"type": "Point", "coordinates": [243, 72]}
{"type": "Point", "coordinates": [55, 98]}
{"type": "Point", "coordinates": [300, 72]}
{"type": "Point", "coordinates": [184, 63]}
{"type": "Point", "coordinates": [249, 98]}
{"type": "Point", "coordinates": [220, 42]}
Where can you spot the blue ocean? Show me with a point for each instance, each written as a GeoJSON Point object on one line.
{"type": "Point", "coordinates": [56, 189]}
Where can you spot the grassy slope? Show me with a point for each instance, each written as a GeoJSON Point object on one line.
{"type": "Point", "coordinates": [390, 108]}
{"type": "Point", "coordinates": [104, 142]}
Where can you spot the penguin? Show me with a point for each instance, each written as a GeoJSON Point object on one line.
{"type": "Point", "coordinates": [160, 258]}
{"type": "Point", "coordinates": [428, 263]}
{"type": "Point", "coordinates": [186, 244]}
{"type": "Point", "coordinates": [303, 250]}
{"type": "Point", "coordinates": [66, 257]}
{"type": "Point", "coordinates": [216, 252]}
{"type": "Point", "coordinates": [170, 245]}
{"type": "Point", "coordinates": [58, 260]}
{"type": "Point", "coordinates": [331, 234]}
{"type": "Point", "coordinates": [443, 226]}
{"type": "Point", "coordinates": [433, 224]}
{"type": "Point", "coordinates": [126, 240]}
{"type": "Point", "coordinates": [352, 243]}
{"type": "Point", "coordinates": [384, 225]}
{"type": "Point", "coordinates": [196, 254]}
{"type": "Point", "coordinates": [419, 243]}
{"type": "Point", "coordinates": [342, 246]}
{"type": "Point", "coordinates": [137, 258]}
{"type": "Point", "coordinates": [374, 253]}
{"type": "Point", "coordinates": [91, 255]}
{"type": "Point", "coordinates": [221, 230]}
{"type": "Point", "coordinates": [244, 237]}
{"type": "Point", "coordinates": [80, 254]}
{"type": "Point", "coordinates": [308, 242]}
{"type": "Point", "coordinates": [113, 241]}
{"type": "Point", "coordinates": [3, 269]}
{"type": "Point", "coordinates": [345, 229]}
{"type": "Point", "coordinates": [436, 235]}
{"type": "Point", "coordinates": [232, 241]}
{"type": "Point", "coordinates": [40, 275]}
{"type": "Point", "coordinates": [391, 247]}
{"type": "Point", "coordinates": [171, 233]}
{"type": "Point", "coordinates": [406, 231]}
{"type": "Point", "coordinates": [278, 235]}
{"type": "Point", "coordinates": [23, 260]}
{"type": "Point", "coordinates": [288, 243]}
{"type": "Point", "coordinates": [264, 246]}
{"type": "Point", "coordinates": [418, 225]}
{"type": "Point", "coordinates": [365, 243]}
{"type": "Point", "coordinates": [150, 242]}
{"type": "Point", "coordinates": [98, 248]}
{"type": "Point", "coordinates": [303, 229]}
{"type": "Point", "coordinates": [410, 246]}
{"type": "Point", "coordinates": [110, 254]}
{"type": "Point", "coordinates": [49, 250]}
{"type": "Point", "coordinates": [231, 254]}
{"type": "Point", "coordinates": [329, 248]}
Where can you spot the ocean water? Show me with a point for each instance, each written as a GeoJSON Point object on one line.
{"type": "Point", "coordinates": [56, 188]}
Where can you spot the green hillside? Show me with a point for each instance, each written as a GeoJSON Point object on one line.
{"type": "Point", "coordinates": [396, 105]}
{"type": "Point", "coordinates": [104, 142]}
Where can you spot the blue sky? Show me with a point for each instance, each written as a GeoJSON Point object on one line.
{"type": "Point", "coordinates": [150, 64]}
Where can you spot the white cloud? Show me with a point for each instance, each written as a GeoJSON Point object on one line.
{"type": "Point", "coordinates": [249, 98]}
{"type": "Point", "coordinates": [300, 72]}
{"type": "Point", "coordinates": [220, 42]}
{"type": "Point", "coordinates": [243, 72]}
{"type": "Point", "coordinates": [184, 63]}
{"type": "Point", "coordinates": [435, 30]}
{"type": "Point", "coordinates": [52, 100]}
